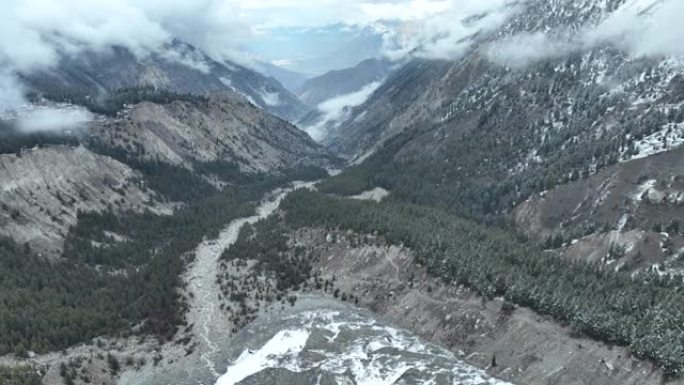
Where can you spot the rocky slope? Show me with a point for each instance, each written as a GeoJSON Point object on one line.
{"type": "Point", "coordinates": [43, 190]}
{"type": "Point", "coordinates": [179, 67]}
{"type": "Point", "coordinates": [627, 216]}
{"type": "Point", "coordinates": [597, 87]}
{"type": "Point", "coordinates": [224, 128]}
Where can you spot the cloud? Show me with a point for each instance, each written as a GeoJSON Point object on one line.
{"type": "Point", "coordinates": [523, 49]}
{"type": "Point", "coordinates": [445, 31]}
{"type": "Point", "coordinates": [47, 119]}
{"type": "Point", "coordinates": [35, 33]}
{"type": "Point", "coordinates": [646, 30]}
{"type": "Point", "coordinates": [11, 93]}
{"type": "Point", "coordinates": [641, 29]}
{"type": "Point", "coordinates": [335, 110]}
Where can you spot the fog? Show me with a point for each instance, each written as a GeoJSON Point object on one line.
{"type": "Point", "coordinates": [53, 120]}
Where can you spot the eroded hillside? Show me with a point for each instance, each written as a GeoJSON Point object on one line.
{"type": "Point", "coordinates": [44, 190]}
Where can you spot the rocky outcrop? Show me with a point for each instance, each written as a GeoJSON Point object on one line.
{"type": "Point", "coordinates": [43, 190]}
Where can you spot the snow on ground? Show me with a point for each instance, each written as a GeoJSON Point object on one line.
{"type": "Point", "coordinates": [377, 194]}
{"type": "Point", "coordinates": [644, 187]}
{"type": "Point", "coordinates": [284, 343]}
{"type": "Point", "coordinates": [351, 348]}
{"type": "Point", "coordinates": [669, 138]}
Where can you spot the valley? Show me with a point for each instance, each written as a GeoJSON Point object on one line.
{"type": "Point", "coordinates": [489, 194]}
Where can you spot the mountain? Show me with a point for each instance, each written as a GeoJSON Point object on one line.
{"type": "Point", "coordinates": [292, 80]}
{"type": "Point", "coordinates": [627, 216]}
{"type": "Point", "coordinates": [51, 178]}
{"type": "Point", "coordinates": [224, 127]}
{"type": "Point", "coordinates": [179, 67]}
{"type": "Point", "coordinates": [479, 137]}
{"type": "Point", "coordinates": [336, 83]}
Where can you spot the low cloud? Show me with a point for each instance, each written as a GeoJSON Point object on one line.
{"type": "Point", "coordinates": [11, 94]}
{"type": "Point", "coordinates": [335, 110]}
{"type": "Point", "coordinates": [652, 29]}
{"type": "Point", "coordinates": [527, 48]}
{"type": "Point", "coordinates": [48, 119]}
{"type": "Point", "coordinates": [447, 33]}
{"type": "Point", "coordinates": [35, 33]}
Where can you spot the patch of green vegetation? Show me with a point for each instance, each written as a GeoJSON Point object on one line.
{"type": "Point", "coordinates": [19, 376]}
{"type": "Point", "coordinates": [104, 285]}
{"type": "Point", "coordinates": [266, 242]}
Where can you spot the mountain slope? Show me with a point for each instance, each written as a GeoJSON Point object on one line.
{"type": "Point", "coordinates": [335, 83]}
{"type": "Point", "coordinates": [179, 68]}
{"type": "Point", "coordinates": [292, 80]}
{"type": "Point", "coordinates": [479, 137]}
{"type": "Point", "coordinates": [224, 128]}
{"type": "Point", "coordinates": [45, 189]}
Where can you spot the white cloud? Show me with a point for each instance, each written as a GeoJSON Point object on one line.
{"type": "Point", "coordinates": [644, 28]}
{"type": "Point", "coordinates": [641, 28]}
{"type": "Point", "coordinates": [526, 48]}
{"type": "Point", "coordinates": [334, 111]}
{"type": "Point", "coordinates": [10, 92]}
{"type": "Point", "coordinates": [443, 30]}
{"type": "Point", "coordinates": [33, 33]}
{"type": "Point", "coordinates": [53, 119]}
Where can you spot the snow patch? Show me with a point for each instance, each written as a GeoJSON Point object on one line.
{"type": "Point", "coordinates": [643, 188]}
{"type": "Point", "coordinates": [668, 138]}
{"type": "Point", "coordinates": [284, 344]}
{"type": "Point", "coordinates": [356, 349]}
{"type": "Point", "coordinates": [377, 194]}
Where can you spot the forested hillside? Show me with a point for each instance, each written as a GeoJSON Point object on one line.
{"type": "Point", "coordinates": [117, 270]}
{"type": "Point", "coordinates": [644, 312]}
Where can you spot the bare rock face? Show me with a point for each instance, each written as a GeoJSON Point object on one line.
{"type": "Point", "coordinates": [226, 128]}
{"type": "Point", "coordinates": [42, 191]}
